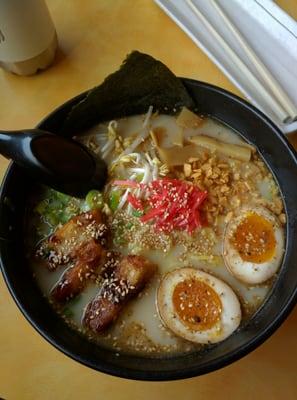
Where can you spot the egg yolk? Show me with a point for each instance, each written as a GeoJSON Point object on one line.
{"type": "Point", "coordinates": [254, 239]}
{"type": "Point", "coordinates": [198, 306]}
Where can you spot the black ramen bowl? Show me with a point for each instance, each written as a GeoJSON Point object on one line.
{"type": "Point", "coordinates": [281, 159]}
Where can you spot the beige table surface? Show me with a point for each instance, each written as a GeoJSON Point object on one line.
{"type": "Point", "coordinates": [95, 36]}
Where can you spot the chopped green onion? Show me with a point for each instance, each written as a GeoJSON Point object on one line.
{"type": "Point", "coordinates": [41, 206]}
{"type": "Point", "coordinates": [68, 312]}
{"type": "Point", "coordinates": [119, 241]}
{"type": "Point", "coordinates": [139, 177]}
{"type": "Point", "coordinates": [137, 213]}
{"type": "Point", "coordinates": [94, 199]}
{"type": "Point", "coordinates": [61, 197]}
{"type": "Point", "coordinates": [57, 207]}
{"type": "Point", "coordinates": [114, 200]}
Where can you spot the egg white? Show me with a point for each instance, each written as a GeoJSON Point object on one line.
{"type": "Point", "coordinates": [246, 271]}
{"type": "Point", "coordinates": [230, 315]}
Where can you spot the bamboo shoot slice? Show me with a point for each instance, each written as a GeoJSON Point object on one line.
{"type": "Point", "coordinates": [242, 153]}
{"type": "Point", "coordinates": [187, 119]}
{"type": "Point", "coordinates": [176, 155]}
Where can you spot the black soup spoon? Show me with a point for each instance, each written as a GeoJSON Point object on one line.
{"type": "Point", "coordinates": [58, 162]}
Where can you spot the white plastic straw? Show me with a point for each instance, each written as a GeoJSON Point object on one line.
{"type": "Point", "coordinates": [257, 86]}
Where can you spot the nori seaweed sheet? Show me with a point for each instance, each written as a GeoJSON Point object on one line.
{"type": "Point", "coordinates": [140, 82]}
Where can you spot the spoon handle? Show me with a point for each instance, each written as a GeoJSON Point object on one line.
{"type": "Point", "coordinates": [9, 144]}
{"type": "Point", "coordinates": [14, 144]}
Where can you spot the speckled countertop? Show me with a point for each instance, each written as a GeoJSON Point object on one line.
{"type": "Point", "coordinates": [95, 36]}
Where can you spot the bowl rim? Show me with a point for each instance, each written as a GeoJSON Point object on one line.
{"type": "Point", "coordinates": [124, 372]}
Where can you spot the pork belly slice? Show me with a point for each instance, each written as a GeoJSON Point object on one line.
{"type": "Point", "coordinates": [128, 278]}
{"type": "Point", "coordinates": [64, 244]}
{"type": "Point", "coordinates": [90, 258]}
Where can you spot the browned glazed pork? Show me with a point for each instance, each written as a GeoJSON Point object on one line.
{"type": "Point", "coordinates": [63, 245]}
{"type": "Point", "coordinates": [129, 277]}
{"type": "Point", "coordinates": [79, 243]}
{"type": "Point", "coordinates": [90, 256]}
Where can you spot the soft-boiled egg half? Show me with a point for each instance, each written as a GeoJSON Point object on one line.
{"type": "Point", "coordinates": [253, 245]}
{"type": "Point", "coordinates": [197, 306]}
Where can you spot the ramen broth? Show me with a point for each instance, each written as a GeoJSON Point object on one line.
{"type": "Point", "coordinates": [139, 328]}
